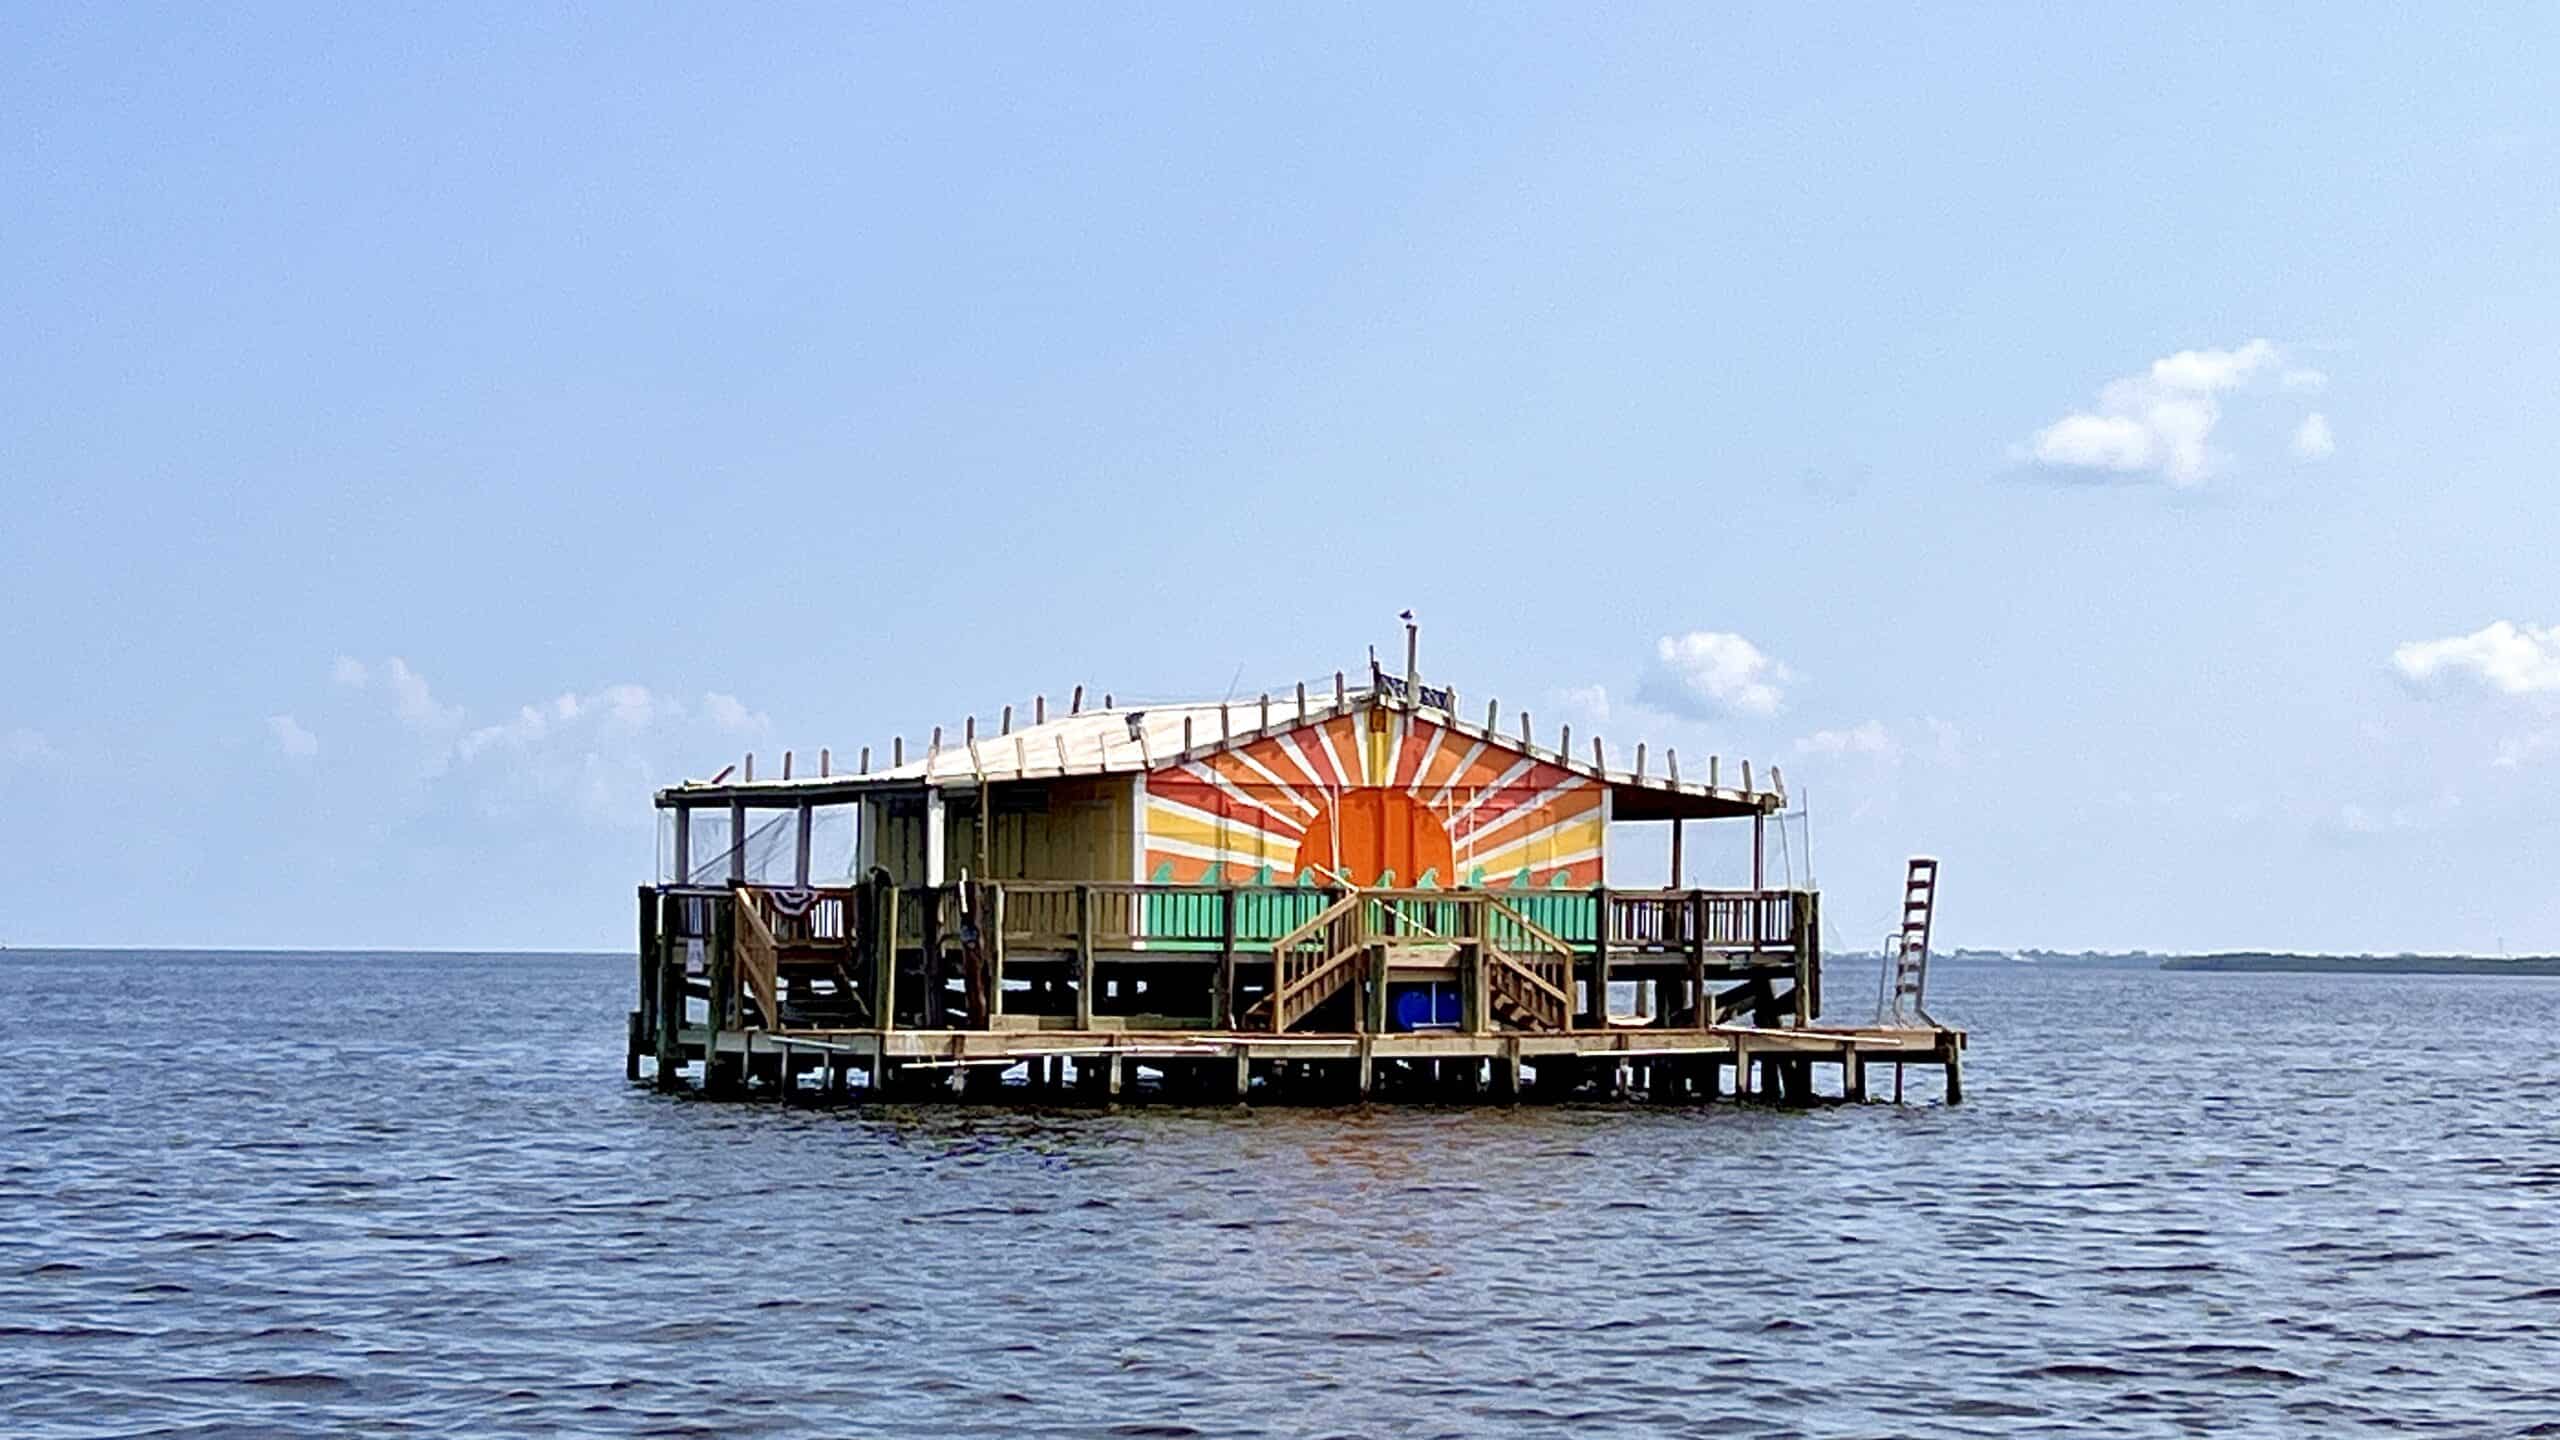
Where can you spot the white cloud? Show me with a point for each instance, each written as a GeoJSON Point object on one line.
{"type": "Point", "coordinates": [2203, 371]}
{"type": "Point", "coordinates": [1717, 672]}
{"type": "Point", "coordinates": [415, 704]}
{"type": "Point", "coordinates": [1587, 702]}
{"type": "Point", "coordinates": [2160, 421]}
{"type": "Point", "coordinates": [2518, 750]}
{"type": "Point", "coordinates": [623, 709]}
{"type": "Point", "coordinates": [290, 737]}
{"type": "Point", "coordinates": [350, 672]}
{"type": "Point", "coordinates": [1871, 738]}
{"type": "Point", "coordinates": [2312, 440]}
{"type": "Point", "coordinates": [732, 715]}
{"type": "Point", "coordinates": [22, 746]}
{"type": "Point", "coordinates": [2359, 821]}
{"type": "Point", "coordinates": [2503, 656]}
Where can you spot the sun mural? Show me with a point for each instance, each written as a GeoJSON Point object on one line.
{"type": "Point", "coordinates": [1359, 798]}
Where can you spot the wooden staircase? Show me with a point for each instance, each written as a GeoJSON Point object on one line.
{"type": "Point", "coordinates": [1531, 989]}
{"type": "Point", "coordinates": [1312, 964]}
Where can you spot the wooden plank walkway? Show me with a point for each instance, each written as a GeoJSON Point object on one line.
{"type": "Point", "coordinates": [1779, 1064]}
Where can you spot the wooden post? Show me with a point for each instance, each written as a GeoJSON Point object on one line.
{"type": "Point", "coordinates": [883, 913]}
{"type": "Point", "coordinates": [1084, 957]}
{"type": "Point", "coordinates": [1702, 1010]}
{"type": "Point", "coordinates": [737, 842]}
{"type": "Point", "coordinates": [1759, 861]}
{"type": "Point", "coordinates": [934, 838]}
{"type": "Point", "coordinates": [935, 1003]}
{"type": "Point", "coordinates": [1678, 833]}
{"type": "Point", "coordinates": [1244, 1075]}
{"type": "Point", "coordinates": [646, 1024]}
{"type": "Point", "coordinates": [671, 990]}
{"type": "Point", "coordinates": [1951, 1056]}
{"type": "Point", "coordinates": [684, 845]}
{"type": "Point", "coordinates": [1476, 1012]}
{"type": "Point", "coordinates": [1075, 702]}
{"type": "Point", "coordinates": [1807, 920]}
{"type": "Point", "coordinates": [1742, 1087]}
{"type": "Point", "coordinates": [1368, 1070]}
{"type": "Point", "coordinates": [800, 849]}
{"type": "Point", "coordinates": [1222, 1003]}
{"type": "Point", "coordinates": [1600, 958]}
{"type": "Point", "coordinates": [1853, 1073]}
{"type": "Point", "coordinates": [724, 983]}
{"type": "Point", "coordinates": [1111, 1076]}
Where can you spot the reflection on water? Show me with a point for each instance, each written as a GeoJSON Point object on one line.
{"type": "Point", "coordinates": [240, 1196]}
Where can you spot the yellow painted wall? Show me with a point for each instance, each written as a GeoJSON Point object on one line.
{"type": "Point", "coordinates": [1082, 829]}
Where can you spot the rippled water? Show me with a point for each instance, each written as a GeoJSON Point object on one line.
{"type": "Point", "coordinates": [379, 1195]}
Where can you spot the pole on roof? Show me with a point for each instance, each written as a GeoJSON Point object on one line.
{"type": "Point", "coordinates": [1412, 670]}
{"type": "Point", "coordinates": [1075, 702]}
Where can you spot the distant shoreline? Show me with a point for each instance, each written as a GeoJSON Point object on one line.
{"type": "Point", "coordinates": [2366, 964]}
{"type": "Point", "coordinates": [2258, 962]}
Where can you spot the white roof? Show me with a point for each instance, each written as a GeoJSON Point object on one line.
{"type": "Point", "coordinates": [1131, 739]}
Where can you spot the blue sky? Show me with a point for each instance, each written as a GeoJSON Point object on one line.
{"type": "Point", "coordinates": [423, 431]}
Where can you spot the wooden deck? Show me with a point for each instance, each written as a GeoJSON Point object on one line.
{"type": "Point", "coordinates": [1041, 990]}
{"type": "Point", "coordinates": [1738, 1062]}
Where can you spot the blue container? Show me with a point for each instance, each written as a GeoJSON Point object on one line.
{"type": "Point", "coordinates": [1428, 1006]}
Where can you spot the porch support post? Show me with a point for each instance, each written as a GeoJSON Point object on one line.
{"type": "Point", "coordinates": [684, 846]}
{"type": "Point", "coordinates": [1678, 828]}
{"type": "Point", "coordinates": [1759, 851]}
{"type": "Point", "coordinates": [934, 838]}
{"type": "Point", "coordinates": [737, 842]}
{"type": "Point", "coordinates": [800, 853]}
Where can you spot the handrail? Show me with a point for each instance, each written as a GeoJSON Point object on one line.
{"type": "Point", "coordinates": [1504, 957]}
{"type": "Point", "coordinates": [1323, 918]}
{"type": "Point", "coordinates": [1531, 928]}
{"type": "Point", "coordinates": [754, 948]}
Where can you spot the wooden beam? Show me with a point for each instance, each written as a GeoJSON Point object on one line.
{"type": "Point", "coordinates": [1084, 957]}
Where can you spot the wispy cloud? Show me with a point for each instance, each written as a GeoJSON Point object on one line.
{"type": "Point", "coordinates": [2312, 439]}
{"type": "Point", "coordinates": [23, 746]}
{"type": "Point", "coordinates": [1588, 703]}
{"type": "Point", "coordinates": [411, 697]}
{"type": "Point", "coordinates": [1707, 673]}
{"type": "Point", "coordinates": [290, 737]}
{"type": "Point", "coordinates": [2501, 656]}
{"type": "Point", "coordinates": [2357, 821]}
{"type": "Point", "coordinates": [2161, 421]}
{"type": "Point", "coordinates": [1869, 739]}
{"type": "Point", "coordinates": [732, 715]}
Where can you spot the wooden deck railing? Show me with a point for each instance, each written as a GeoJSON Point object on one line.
{"type": "Point", "coordinates": [769, 950]}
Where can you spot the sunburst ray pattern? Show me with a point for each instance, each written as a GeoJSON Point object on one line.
{"type": "Point", "coordinates": [1361, 796]}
